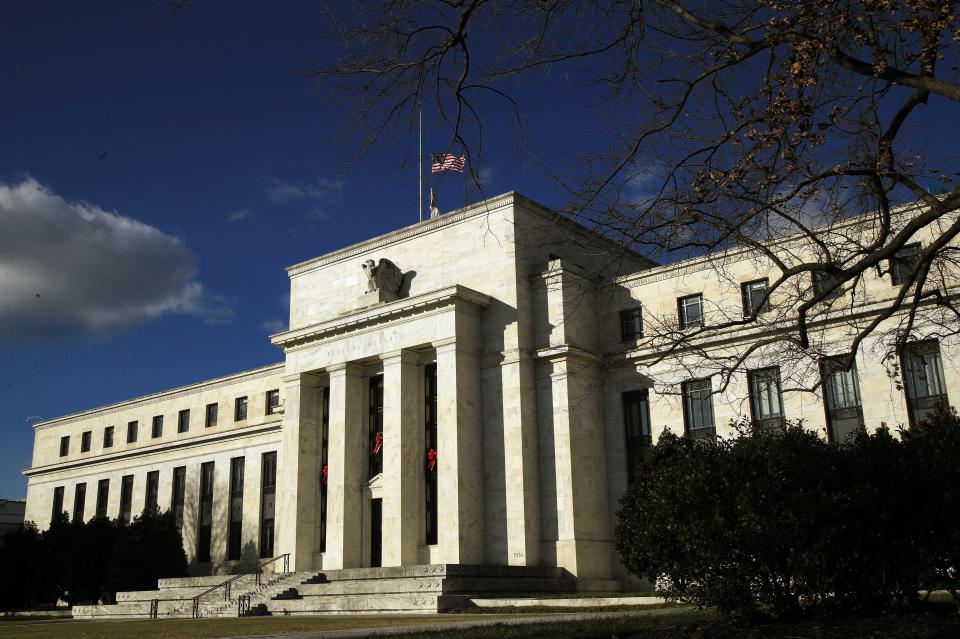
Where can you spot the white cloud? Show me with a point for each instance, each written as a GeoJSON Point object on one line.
{"type": "Point", "coordinates": [239, 214]}
{"type": "Point", "coordinates": [272, 326]}
{"type": "Point", "coordinates": [71, 268]}
{"type": "Point", "coordinates": [320, 189]}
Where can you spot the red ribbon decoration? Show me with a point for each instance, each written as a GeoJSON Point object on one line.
{"type": "Point", "coordinates": [378, 442]}
{"type": "Point", "coordinates": [324, 474]}
{"type": "Point", "coordinates": [432, 456]}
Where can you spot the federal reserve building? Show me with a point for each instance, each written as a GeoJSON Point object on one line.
{"type": "Point", "coordinates": [471, 395]}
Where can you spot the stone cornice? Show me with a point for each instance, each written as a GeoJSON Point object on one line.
{"type": "Point", "coordinates": [380, 314]}
{"type": "Point", "coordinates": [155, 449]}
{"type": "Point", "coordinates": [565, 351]}
{"type": "Point", "coordinates": [175, 393]}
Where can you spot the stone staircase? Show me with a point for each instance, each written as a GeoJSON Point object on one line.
{"type": "Point", "coordinates": [422, 589]}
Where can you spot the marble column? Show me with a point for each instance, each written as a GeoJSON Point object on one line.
{"type": "Point", "coordinates": [346, 456]}
{"type": "Point", "coordinates": [460, 455]}
{"type": "Point", "coordinates": [403, 459]}
{"type": "Point", "coordinates": [298, 469]}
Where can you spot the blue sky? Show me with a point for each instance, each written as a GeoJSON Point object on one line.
{"type": "Point", "coordinates": [155, 184]}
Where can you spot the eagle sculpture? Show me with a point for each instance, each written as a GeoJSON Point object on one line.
{"type": "Point", "coordinates": [384, 276]}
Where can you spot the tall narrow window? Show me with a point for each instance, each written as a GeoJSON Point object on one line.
{"type": "Point", "coordinates": [108, 437]}
{"type": "Point", "coordinates": [766, 401]}
{"type": "Point", "coordinates": [324, 449]}
{"type": "Point", "coordinates": [903, 262]}
{"type": "Point", "coordinates": [272, 401]}
{"type": "Point", "coordinates": [636, 426]}
{"type": "Point", "coordinates": [923, 378]}
{"type": "Point", "coordinates": [698, 409]}
{"type": "Point", "coordinates": [236, 508]}
{"type": "Point", "coordinates": [85, 438]}
{"type": "Point", "coordinates": [157, 429]}
{"type": "Point", "coordinates": [690, 310]}
{"type": "Point", "coordinates": [375, 431]}
{"type": "Point", "coordinates": [430, 437]}
{"type": "Point", "coordinates": [151, 501]}
{"type": "Point", "coordinates": [179, 494]}
{"type": "Point", "coordinates": [268, 494]}
{"type": "Point", "coordinates": [126, 498]}
{"type": "Point", "coordinates": [103, 495]}
{"type": "Point", "coordinates": [131, 432]}
{"type": "Point", "coordinates": [65, 445]}
{"type": "Point", "coordinates": [631, 324]}
{"type": "Point", "coordinates": [57, 504]}
{"type": "Point", "coordinates": [240, 409]}
{"type": "Point", "coordinates": [755, 300]}
{"type": "Point", "coordinates": [205, 523]}
{"type": "Point", "coordinates": [79, 501]}
{"type": "Point", "coordinates": [841, 399]}
{"type": "Point", "coordinates": [211, 417]}
{"type": "Point", "coordinates": [183, 420]}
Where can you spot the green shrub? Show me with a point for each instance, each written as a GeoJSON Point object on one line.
{"type": "Point", "coordinates": [776, 521]}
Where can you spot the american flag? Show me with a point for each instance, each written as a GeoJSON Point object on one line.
{"type": "Point", "coordinates": [444, 161]}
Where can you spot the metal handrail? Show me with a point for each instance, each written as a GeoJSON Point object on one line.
{"type": "Point", "coordinates": [258, 570]}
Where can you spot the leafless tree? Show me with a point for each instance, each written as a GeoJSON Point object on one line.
{"type": "Point", "coordinates": [728, 123]}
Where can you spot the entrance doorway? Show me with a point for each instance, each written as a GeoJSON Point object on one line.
{"type": "Point", "coordinates": [376, 532]}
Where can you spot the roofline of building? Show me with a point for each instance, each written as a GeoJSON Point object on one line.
{"type": "Point", "coordinates": [484, 207]}
{"type": "Point", "coordinates": [253, 373]}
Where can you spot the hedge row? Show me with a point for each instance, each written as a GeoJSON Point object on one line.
{"type": "Point", "coordinates": [778, 521]}
{"type": "Point", "coordinates": [88, 561]}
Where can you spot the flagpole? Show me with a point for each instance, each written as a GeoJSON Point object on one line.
{"type": "Point", "coordinates": [420, 161]}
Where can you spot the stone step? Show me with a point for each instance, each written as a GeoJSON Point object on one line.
{"type": "Point", "coordinates": [364, 604]}
{"type": "Point", "coordinates": [435, 585]}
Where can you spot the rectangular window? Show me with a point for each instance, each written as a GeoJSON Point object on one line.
{"type": "Point", "coordinates": [57, 509]}
{"type": "Point", "coordinates": [903, 262]}
{"type": "Point", "coordinates": [103, 494]}
{"type": "Point", "coordinates": [240, 409]}
{"type": "Point", "coordinates": [108, 437]}
{"type": "Point", "coordinates": [205, 524]}
{"type": "Point", "coordinates": [766, 401]}
{"type": "Point", "coordinates": [430, 437]}
{"type": "Point", "coordinates": [211, 419]}
{"type": "Point", "coordinates": [324, 447]}
{"type": "Point", "coordinates": [375, 430]}
{"type": "Point", "coordinates": [690, 311]}
{"type": "Point", "coordinates": [841, 399]}
{"type": "Point", "coordinates": [153, 489]}
{"type": "Point", "coordinates": [183, 420]}
{"type": "Point", "coordinates": [823, 282]}
{"type": "Point", "coordinates": [157, 427]}
{"type": "Point", "coordinates": [698, 410]}
{"type": "Point", "coordinates": [636, 426]}
{"type": "Point", "coordinates": [268, 494]}
{"type": "Point", "coordinates": [753, 294]}
{"type": "Point", "coordinates": [85, 441]}
{"type": "Point", "coordinates": [178, 496]}
{"type": "Point", "coordinates": [131, 432]}
{"type": "Point", "coordinates": [65, 445]}
{"type": "Point", "coordinates": [79, 501]}
{"type": "Point", "coordinates": [631, 324]}
{"type": "Point", "coordinates": [923, 378]}
{"type": "Point", "coordinates": [126, 498]}
{"type": "Point", "coordinates": [273, 401]}
{"type": "Point", "coordinates": [236, 508]}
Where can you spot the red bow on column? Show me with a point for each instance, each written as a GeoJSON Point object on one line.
{"type": "Point", "coordinates": [377, 443]}
{"type": "Point", "coordinates": [324, 474]}
{"type": "Point", "coordinates": [432, 456]}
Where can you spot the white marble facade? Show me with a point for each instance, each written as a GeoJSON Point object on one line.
{"type": "Point", "coordinates": [503, 334]}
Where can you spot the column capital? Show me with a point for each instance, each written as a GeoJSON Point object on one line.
{"type": "Point", "coordinates": [351, 369]}
{"type": "Point", "coordinates": [450, 345]}
{"type": "Point", "coordinates": [311, 380]}
{"type": "Point", "coordinates": [402, 355]}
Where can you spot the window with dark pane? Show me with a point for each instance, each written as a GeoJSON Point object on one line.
{"type": "Point", "coordinates": [205, 520]}
{"type": "Point", "coordinates": [235, 530]}
{"type": "Point", "coordinates": [375, 423]}
{"type": "Point", "coordinates": [698, 409]}
{"type": "Point", "coordinates": [268, 494]}
{"type": "Point", "coordinates": [151, 499]}
{"type": "Point", "coordinates": [631, 324]}
{"type": "Point", "coordinates": [766, 400]}
{"type": "Point", "coordinates": [636, 426]}
{"type": "Point", "coordinates": [430, 439]}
